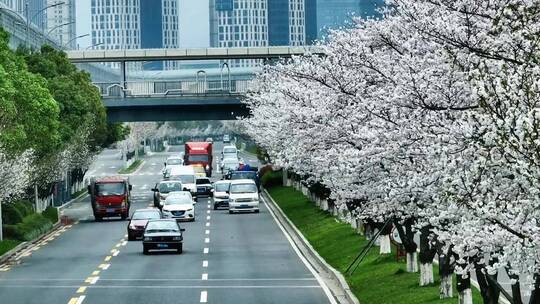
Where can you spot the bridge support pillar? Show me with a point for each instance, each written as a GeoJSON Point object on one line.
{"type": "Point", "coordinates": [124, 78]}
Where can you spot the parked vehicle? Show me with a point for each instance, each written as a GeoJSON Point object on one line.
{"type": "Point", "coordinates": [252, 174]}
{"type": "Point", "coordinates": [138, 221]}
{"type": "Point", "coordinates": [204, 186]}
{"type": "Point", "coordinates": [163, 234]}
{"type": "Point", "coordinates": [180, 206]}
{"type": "Point", "coordinates": [199, 153]}
{"type": "Point", "coordinates": [186, 175]}
{"type": "Point", "coordinates": [226, 139]}
{"type": "Point", "coordinates": [110, 196]}
{"type": "Point", "coordinates": [220, 195]}
{"type": "Point", "coordinates": [163, 188]}
{"type": "Point", "coordinates": [243, 196]}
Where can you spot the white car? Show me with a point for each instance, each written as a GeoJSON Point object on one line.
{"type": "Point", "coordinates": [179, 205]}
{"type": "Point", "coordinates": [220, 195]}
{"type": "Point", "coordinates": [163, 188]}
{"type": "Point", "coordinates": [170, 162]}
{"type": "Point", "coordinates": [229, 152]}
{"type": "Point", "coordinates": [243, 196]}
{"type": "Point", "coordinates": [229, 164]}
{"type": "Point", "coordinates": [186, 175]}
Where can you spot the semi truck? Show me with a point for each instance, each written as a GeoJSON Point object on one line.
{"type": "Point", "coordinates": [199, 153]}
{"type": "Point", "coordinates": [110, 196]}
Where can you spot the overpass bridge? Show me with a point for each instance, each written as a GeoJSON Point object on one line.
{"type": "Point", "coordinates": [194, 94]}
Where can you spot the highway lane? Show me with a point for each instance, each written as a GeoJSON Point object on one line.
{"type": "Point", "coordinates": [240, 258]}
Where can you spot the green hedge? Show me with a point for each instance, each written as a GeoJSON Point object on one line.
{"type": "Point", "coordinates": [51, 213]}
{"type": "Point", "coordinates": [272, 179]}
{"type": "Point", "coordinates": [13, 213]}
{"type": "Point", "coordinates": [7, 245]}
{"type": "Point", "coordinates": [31, 227]}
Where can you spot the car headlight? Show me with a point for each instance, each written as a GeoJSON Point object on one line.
{"type": "Point", "coordinates": [191, 209]}
{"type": "Point", "coordinates": [131, 227]}
{"type": "Point", "coordinates": [147, 238]}
{"type": "Point", "coordinates": [231, 200]}
{"type": "Point", "coordinates": [177, 238]}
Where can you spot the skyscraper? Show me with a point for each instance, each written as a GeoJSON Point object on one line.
{"type": "Point", "coordinates": [331, 14]}
{"type": "Point", "coordinates": [36, 14]}
{"type": "Point", "coordinates": [61, 23]}
{"type": "Point", "coordinates": [135, 24]}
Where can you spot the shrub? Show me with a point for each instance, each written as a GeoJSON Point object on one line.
{"type": "Point", "coordinates": [13, 213]}
{"type": "Point", "coordinates": [51, 213]}
{"type": "Point", "coordinates": [31, 227]}
{"type": "Point", "coordinates": [272, 179]}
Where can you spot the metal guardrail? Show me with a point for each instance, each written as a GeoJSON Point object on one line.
{"type": "Point", "coordinates": [183, 88]}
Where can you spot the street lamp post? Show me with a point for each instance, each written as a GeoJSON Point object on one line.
{"type": "Point", "coordinates": [75, 38]}
{"type": "Point", "coordinates": [94, 45]}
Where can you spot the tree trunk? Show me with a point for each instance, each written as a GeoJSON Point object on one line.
{"type": "Point", "coordinates": [446, 269]}
{"type": "Point", "coordinates": [463, 286]}
{"type": "Point", "coordinates": [535, 294]}
{"type": "Point", "coordinates": [412, 261]}
{"type": "Point", "coordinates": [426, 274]}
{"type": "Point", "coordinates": [428, 249]}
{"type": "Point", "coordinates": [385, 244]}
{"type": "Point", "coordinates": [490, 292]}
{"type": "Point", "coordinates": [445, 290]}
{"type": "Point", "coordinates": [516, 288]}
{"type": "Point", "coordinates": [407, 238]}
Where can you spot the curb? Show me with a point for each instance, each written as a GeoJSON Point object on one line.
{"type": "Point", "coordinates": [136, 171]}
{"type": "Point", "coordinates": [334, 280]}
{"type": "Point", "coordinates": [24, 245]}
{"type": "Point", "coordinates": [80, 197]}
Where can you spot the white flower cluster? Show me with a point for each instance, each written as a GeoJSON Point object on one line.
{"type": "Point", "coordinates": [431, 113]}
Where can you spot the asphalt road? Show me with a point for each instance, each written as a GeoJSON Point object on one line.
{"type": "Point", "coordinates": [240, 258]}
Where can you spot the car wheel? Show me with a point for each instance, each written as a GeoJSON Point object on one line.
{"type": "Point", "coordinates": [230, 212]}
{"type": "Point", "coordinates": [193, 219]}
{"type": "Point", "coordinates": [215, 207]}
{"type": "Point", "coordinates": [131, 237]}
{"type": "Point", "coordinates": [145, 250]}
{"type": "Point", "coordinates": [257, 211]}
{"type": "Point", "coordinates": [180, 249]}
{"type": "Point", "coordinates": [98, 218]}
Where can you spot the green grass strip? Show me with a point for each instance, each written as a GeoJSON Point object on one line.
{"type": "Point", "coordinates": [7, 245]}
{"type": "Point", "coordinates": [379, 279]}
{"type": "Point", "coordinates": [131, 168]}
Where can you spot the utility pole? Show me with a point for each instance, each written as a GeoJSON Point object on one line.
{"type": "Point", "coordinates": [26, 12]}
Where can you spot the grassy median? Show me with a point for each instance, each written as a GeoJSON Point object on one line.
{"type": "Point", "coordinates": [7, 245]}
{"type": "Point", "coordinates": [379, 279]}
{"type": "Point", "coordinates": [134, 166]}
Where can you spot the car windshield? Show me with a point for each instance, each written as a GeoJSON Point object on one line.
{"type": "Point", "coordinates": [243, 188]}
{"type": "Point", "coordinates": [169, 187]}
{"type": "Point", "coordinates": [184, 179]}
{"type": "Point", "coordinates": [198, 158]}
{"type": "Point", "coordinates": [244, 175]}
{"type": "Point", "coordinates": [174, 161]}
{"type": "Point", "coordinates": [229, 150]}
{"type": "Point", "coordinates": [146, 215]}
{"type": "Point", "coordinates": [178, 200]}
{"type": "Point", "coordinates": [107, 189]}
{"type": "Point", "coordinates": [224, 187]}
{"type": "Point", "coordinates": [203, 181]}
{"type": "Point", "coordinates": [162, 226]}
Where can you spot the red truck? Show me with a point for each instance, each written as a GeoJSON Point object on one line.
{"type": "Point", "coordinates": [199, 153]}
{"type": "Point", "coordinates": [110, 196]}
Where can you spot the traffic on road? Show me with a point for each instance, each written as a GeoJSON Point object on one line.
{"type": "Point", "coordinates": [167, 234]}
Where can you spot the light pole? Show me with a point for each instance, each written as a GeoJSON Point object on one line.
{"type": "Point", "coordinates": [75, 38]}
{"type": "Point", "coordinates": [29, 20]}
{"type": "Point", "coordinates": [92, 46]}
{"type": "Point", "coordinates": [60, 25]}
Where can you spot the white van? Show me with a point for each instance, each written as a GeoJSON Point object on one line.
{"type": "Point", "coordinates": [186, 175]}
{"type": "Point", "coordinates": [229, 152]}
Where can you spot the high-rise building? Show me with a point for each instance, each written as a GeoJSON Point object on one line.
{"type": "Point", "coordinates": [331, 14]}
{"type": "Point", "coordinates": [34, 9]}
{"type": "Point", "coordinates": [61, 23]}
{"type": "Point", "coordinates": [135, 24]}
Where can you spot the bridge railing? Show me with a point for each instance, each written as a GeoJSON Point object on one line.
{"type": "Point", "coordinates": [174, 88]}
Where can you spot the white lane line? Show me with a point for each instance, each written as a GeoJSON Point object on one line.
{"type": "Point", "coordinates": [104, 266]}
{"type": "Point", "coordinates": [205, 250]}
{"type": "Point", "coordinates": [207, 232]}
{"type": "Point", "coordinates": [207, 240]}
{"type": "Point", "coordinates": [208, 207]}
{"type": "Point", "coordinates": [208, 217]}
{"type": "Point", "coordinates": [302, 258]}
{"type": "Point", "coordinates": [124, 243]}
{"type": "Point", "coordinates": [81, 299]}
{"type": "Point", "coordinates": [205, 264]}
{"type": "Point", "coordinates": [208, 211]}
{"type": "Point", "coordinates": [92, 280]}
{"type": "Point", "coordinates": [204, 277]}
{"type": "Point", "coordinates": [144, 187]}
{"type": "Point", "coordinates": [207, 224]}
{"type": "Point", "coordinates": [204, 296]}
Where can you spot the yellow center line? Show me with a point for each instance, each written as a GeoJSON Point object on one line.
{"type": "Point", "coordinates": [108, 258]}
{"type": "Point", "coordinates": [81, 289]}
{"type": "Point", "coordinates": [73, 301]}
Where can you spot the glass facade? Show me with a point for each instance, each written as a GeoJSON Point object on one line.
{"type": "Point", "coordinates": [336, 13]}
{"type": "Point", "coordinates": [278, 23]}
{"type": "Point", "coordinates": [151, 29]}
